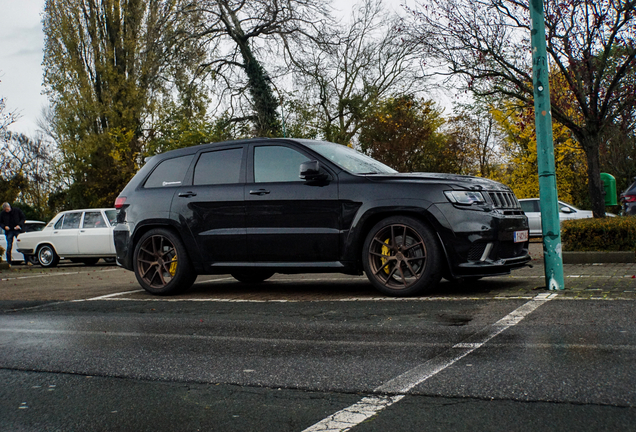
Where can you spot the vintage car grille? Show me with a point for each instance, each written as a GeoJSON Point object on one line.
{"type": "Point", "coordinates": [506, 202]}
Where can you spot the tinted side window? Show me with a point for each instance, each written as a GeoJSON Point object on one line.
{"type": "Point", "coordinates": [169, 173]}
{"type": "Point", "coordinates": [219, 167]}
{"type": "Point", "coordinates": [71, 220]}
{"type": "Point", "coordinates": [93, 220]}
{"type": "Point", "coordinates": [277, 164]}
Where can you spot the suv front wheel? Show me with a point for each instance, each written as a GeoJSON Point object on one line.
{"type": "Point", "coordinates": [401, 257]}
{"type": "Point", "coordinates": [161, 263]}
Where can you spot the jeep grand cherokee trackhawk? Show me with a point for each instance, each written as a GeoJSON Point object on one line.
{"type": "Point", "coordinates": [257, 207]}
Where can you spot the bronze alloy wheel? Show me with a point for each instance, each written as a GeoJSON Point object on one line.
{"type": "Point", "coordinates": [157, 261]}
{"type": "Point", "coordinates": [161, 263]}
{"type": "Point", "coordinates": [402, 257]}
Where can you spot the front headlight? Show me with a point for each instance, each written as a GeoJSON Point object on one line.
{"type": "Point", "coordinates": [465, 197]}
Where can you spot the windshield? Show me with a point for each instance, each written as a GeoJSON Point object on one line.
{"type": "Point", "coordinates": [348, 159]}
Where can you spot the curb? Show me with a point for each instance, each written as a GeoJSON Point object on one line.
{"type": "Point", "coordinates": [598, 257]}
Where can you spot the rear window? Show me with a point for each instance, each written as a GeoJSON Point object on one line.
{"type": "Point", "coordinates": [169, 173]}
{"type": "Point", "coordinates": [31, 227]}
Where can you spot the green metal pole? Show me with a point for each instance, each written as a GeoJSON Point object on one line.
{"type": "Point", "coordinates": [552, 251]}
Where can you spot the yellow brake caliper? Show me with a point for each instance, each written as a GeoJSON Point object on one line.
{"type": "Point", "coordinates": [385, 251]}
{"type": "Point", "coordinates": [173, 266]}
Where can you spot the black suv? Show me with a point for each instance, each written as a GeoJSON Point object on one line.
{"type": "Point", "coordinates": [257, 207]}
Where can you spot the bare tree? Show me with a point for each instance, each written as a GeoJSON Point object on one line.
{"type": "Point", "coordinates": [351, 69]}
{"type": "Point", "coordinates": [27, 166]}
{"type": "Point", "coordinates": [241, 35]}
{"type": "Point", "coordinates": [485, 44]}
{"type": "Point", "coordinates": [474, 130]}
{"type": "Point", "coordinates": [6, 118]}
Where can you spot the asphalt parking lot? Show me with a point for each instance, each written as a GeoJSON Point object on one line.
{"type": "Point", "coordinates": [84, 348]}
{"type": "Point", "coordinates": [71, 281]}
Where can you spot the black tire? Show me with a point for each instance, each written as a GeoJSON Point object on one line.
{"type": "Point", "coordinates": [109, 260]}
{"type": "Point", "coordinates": [47, 257]}
{"type": "Point", "coordinates": [33, 259]}
{"type": "Point", "coordinates": [252, 276]}
{"type": "Point", "coordinates": [402, 257]}
{"type": "Point", "coordinates": [161, 263]}
{"type": "Point", "coordinates": [89, 261]}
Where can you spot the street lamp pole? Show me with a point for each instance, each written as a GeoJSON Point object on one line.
{"type": "Point", "coordinates": [552, 249]}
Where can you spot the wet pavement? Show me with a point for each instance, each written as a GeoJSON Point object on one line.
{"type": "Point", "coordinates": [78, 282]}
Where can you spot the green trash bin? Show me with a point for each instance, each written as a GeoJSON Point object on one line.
{"type": "Point", "coordinates": [609, 185]}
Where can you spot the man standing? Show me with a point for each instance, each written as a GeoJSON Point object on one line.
{"type": "Point", "coordinates": [12, 221]}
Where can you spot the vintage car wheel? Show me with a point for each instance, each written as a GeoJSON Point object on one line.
{"type": "Point", "coordinates": [402, 257]}
{"type": "Point", "coordinates": [47, 256]}
{"type": "Point", "coordinates": [252, 276]}
{"type": "Point", "coordinates": [161, 263]}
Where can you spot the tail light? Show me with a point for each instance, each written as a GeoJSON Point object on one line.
{"type": "Point", "coordinates": [628, 198]}
{"type": "Point", "coordinates": [119, 202]}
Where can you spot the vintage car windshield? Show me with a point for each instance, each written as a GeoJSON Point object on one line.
{"type": "Point", "coordinates": [348, 159]}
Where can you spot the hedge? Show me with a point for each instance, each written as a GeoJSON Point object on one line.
{"type": "Point", "coordinates": [605, 234]}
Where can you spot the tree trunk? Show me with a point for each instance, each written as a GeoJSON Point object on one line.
{"type": "Point", "coordinates": [591, 145]}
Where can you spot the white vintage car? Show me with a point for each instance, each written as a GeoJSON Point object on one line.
{"type": "Point", "coordinates": [82, 236]}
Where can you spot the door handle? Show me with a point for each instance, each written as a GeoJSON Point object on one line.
{"type": "Point", "coordinates": [259, 192]}
{"type": "Point", "coordinates": [187, 194]}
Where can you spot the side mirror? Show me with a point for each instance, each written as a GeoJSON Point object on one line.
{"type": "Point", "coordinates": [310, 171]}
{"type": "Point", "coordinates": [566, 210]}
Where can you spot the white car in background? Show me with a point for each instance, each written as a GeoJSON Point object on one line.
{"type": "Point", "coordinates": [83, 236]}
{"type": "Point", "coordinates": [29, 226]}
{"type": "Point", "coordinates": [532, 208]}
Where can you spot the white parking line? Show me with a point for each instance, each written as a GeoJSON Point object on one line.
{"type": "Point", "coordinates": [107, 296]}
{"type": "Point", "coordinates": [399, 386]}
{"type": "Point", "coordinates": [56, 274]}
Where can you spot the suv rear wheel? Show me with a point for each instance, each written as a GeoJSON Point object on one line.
{"type": "Point", "coordinates": [401, 257]}
{"type": "Point", "coordinates": [161, 263]}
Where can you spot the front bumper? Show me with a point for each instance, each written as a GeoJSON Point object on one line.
{"type": "Point", "coordinates": [482, 243]}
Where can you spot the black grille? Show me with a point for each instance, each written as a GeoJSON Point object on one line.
{"type": "Point", "coordinates": [511, 250]}
{"type": "Point", "coordinates": [504, 200]}
{"type": "Point", "coordinates": [476, 251]}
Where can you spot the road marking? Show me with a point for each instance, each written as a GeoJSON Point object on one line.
{"type": "Point", "coordinates": [107, 296]}
{"type": "Point", "coordinates": [57, 274]}
{"type": "Point", "coordinates": [399, 386]}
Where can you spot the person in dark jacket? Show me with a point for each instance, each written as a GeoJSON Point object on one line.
{"type": "Point", "coordinates": [12, 221]}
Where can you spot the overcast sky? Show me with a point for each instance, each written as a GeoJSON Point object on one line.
{"type": "Point", "coordinates": [21, 44]}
